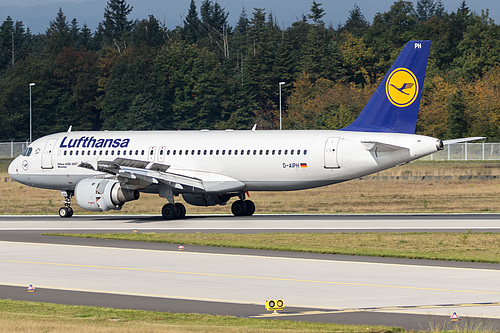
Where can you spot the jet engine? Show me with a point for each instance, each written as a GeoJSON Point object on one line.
{"type": "Point", "coordinates": [102, 194]}
{"type": "Point", "coordinates": [206, 199]}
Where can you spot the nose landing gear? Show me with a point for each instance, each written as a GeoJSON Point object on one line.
{"type": "Point", "coordinates": [66, 211]}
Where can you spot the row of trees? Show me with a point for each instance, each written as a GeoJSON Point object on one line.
{"type": "Point", "coordinates": [206, 74]}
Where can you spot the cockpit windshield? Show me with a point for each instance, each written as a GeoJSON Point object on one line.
{"type": "Point", "coordinates": [27, 151]}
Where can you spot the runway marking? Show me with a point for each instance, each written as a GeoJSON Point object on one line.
{"type": "Point", "coordinates": [378, 309]}
{"type": "Point", "coordinates": [248, 277]}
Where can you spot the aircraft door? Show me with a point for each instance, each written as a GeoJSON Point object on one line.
{"type": "Point", "coordinates": [152, 154]}
{"type": "Point", "coordinates": [47, 154]}
{"type": "Point", "coordinates": [331, 161]}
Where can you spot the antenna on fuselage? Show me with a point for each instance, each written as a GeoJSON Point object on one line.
{"type": "Point", "coordinates": [254, 127]}
{"type": "Point", "coordinates": [69, 129]}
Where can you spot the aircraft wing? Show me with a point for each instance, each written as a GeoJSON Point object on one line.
{"type": "Point", "coordinates": [153, 173]}
{"type": "Point", "coordinates": [449, 142]}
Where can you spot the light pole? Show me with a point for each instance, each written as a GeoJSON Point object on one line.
{"type": "Point", "coordinates": [31, 127]}
{"type": "Point", "coordinates": [281, 83]}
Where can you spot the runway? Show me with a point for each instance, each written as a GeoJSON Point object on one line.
{"type": "Point", "coordinates": [413, 294]}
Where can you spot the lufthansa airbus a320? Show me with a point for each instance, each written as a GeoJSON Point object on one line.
{"type": "Point", "coordinates": [104, 170]}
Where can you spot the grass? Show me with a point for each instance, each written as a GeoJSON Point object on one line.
{"type": "Point", "coordinates": [467, 247]}
{"type": "Point", "coordinates": [22, 316]}
{"type": "Point", "coordinates": [356, 196]}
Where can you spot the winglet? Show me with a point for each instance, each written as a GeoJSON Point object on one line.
{"type": "Point", "coordinates": [394, 106]}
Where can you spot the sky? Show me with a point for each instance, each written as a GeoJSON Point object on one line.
{"type": "Point", "coordinates": [36, 14]}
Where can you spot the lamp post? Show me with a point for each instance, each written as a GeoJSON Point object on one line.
{"type": "Point", "coordinates": [31, 127]}
{"type": "Point", "coordinates": [281, 83]}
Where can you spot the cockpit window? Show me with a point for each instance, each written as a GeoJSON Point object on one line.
{"type": "Point", "coordinates": [27, 151]}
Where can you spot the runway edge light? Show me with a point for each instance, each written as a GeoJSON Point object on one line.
{"type": "Point", "coordinates": [454, 317]}
{"type": "Point", "coordinates": [274, 305]}
{"type": "Point", "coordinates": [31, 289]}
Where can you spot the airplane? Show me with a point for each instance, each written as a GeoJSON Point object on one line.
{"type": "Point", "coordinates": [104, 170]}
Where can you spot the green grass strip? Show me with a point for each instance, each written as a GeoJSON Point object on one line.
{"type": "Point", "coordinates": [467, 247]}
{"type": "Point", "coordinates": [19, 316]}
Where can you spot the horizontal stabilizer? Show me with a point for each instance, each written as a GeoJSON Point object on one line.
{"type": "Point", "coordinates": [381, 147]}
{"type": "Point", "coordinates": [449, 142]}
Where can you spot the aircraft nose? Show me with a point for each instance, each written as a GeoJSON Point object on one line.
{"type": "Point", "coordinates": [13, 169]}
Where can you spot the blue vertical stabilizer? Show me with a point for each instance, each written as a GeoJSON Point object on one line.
{"type": "Point", "coordinates": [394, 106]}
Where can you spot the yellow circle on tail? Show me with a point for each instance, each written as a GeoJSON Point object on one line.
{"type": "Point", "coordinates": [401, 87]}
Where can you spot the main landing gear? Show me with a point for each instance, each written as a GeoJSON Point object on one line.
{"type": "Point", "coordinates": [243, 208]}
{"type": "Point", "coordinates": [173, 211]}
{"type": "Point", "coordinates": [66, 211]}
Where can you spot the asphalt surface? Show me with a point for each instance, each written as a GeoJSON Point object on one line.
{"type": "Point", "coordinates": [413, 294]}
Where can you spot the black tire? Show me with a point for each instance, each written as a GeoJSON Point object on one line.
{"type": "Point", "coordinates": [169, 211]}
{"type": "Point", "coordinates": [181, 210]}
{"type": "Point", "coordinates": [70, 211]}
{"type": "Point", "coordinates": [239, 208]}
{"type": "Point", "coordinates": [64, 212]}
{"type": "Point", "coordinates": [250, 207]}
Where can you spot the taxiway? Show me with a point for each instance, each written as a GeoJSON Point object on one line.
{"type": "Point", "coordinates": [413, 294]}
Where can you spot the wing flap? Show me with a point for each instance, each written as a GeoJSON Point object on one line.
{"type": "Point", "coordinates": [153, 173]}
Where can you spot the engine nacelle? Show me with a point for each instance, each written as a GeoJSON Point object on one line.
{"type": "Point", "coordinates": [206, 199]}
{"type": "Point", "coordinates": [102, 194]}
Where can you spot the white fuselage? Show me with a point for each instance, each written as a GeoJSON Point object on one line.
{"type": "Point", "coordinates": [262, 160]}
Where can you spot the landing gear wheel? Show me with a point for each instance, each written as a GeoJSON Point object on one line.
{"type": "Point", "coordinates": [181, 210]}
{"type": "Point", "coordinates": [239, 208]}
{"type": "Point", "coordinates": [65, 212]}
{"type": "Point", "coordinates": [250, 207]}
{"type": "Point", "coordinates": [169, 211]}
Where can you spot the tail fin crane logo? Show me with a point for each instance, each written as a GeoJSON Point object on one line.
{"type": "Point", "coordinates": [402, 87]}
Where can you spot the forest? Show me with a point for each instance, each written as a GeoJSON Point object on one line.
{"type": "Point", "coordinates": [206, 74]}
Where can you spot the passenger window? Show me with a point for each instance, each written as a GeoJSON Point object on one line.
{"type": "Point", "coordinates": [71, 152]}
{"type": "Point", "coordinates": [260, 152]}
{"type": "Point", "coordinates": [267, 152]}
{"type": "Point", "coordinates": [106, 152]}
{"type": "Point", "coordinates": [95, 152]}
{"type": "Point", "coordinates": [211, 152]}
{"type": "Point", "coordinates": [125, 152]}
{"type": "Point", "coordinates": [199, 152]}
{"type": "Point", "coordinates": [88, 152]}
{"type": "Point", "coordinates": [180, 152]}
{"type": "Point", "coordinates": [229, 152]}
{"type": "Point", "coordinates": [65, 152]}
{"type": "Point", "coordinates": [236, 152]}
{"type": "Point", "coordinates": [305, 151]}
{"type": "Point", "coordinates": [248, 152]}
{"type": "Point", "coordinates": [137, 152]}
{"type": "Point", "coordinates": [168, 152]}
{"type": "Point", "coordinates": [291, 152]}
{"type": "Point", "coordinates": [298, 152]}
{"type": "Point", "coordinates": [286, 151]}
{"type": "Point", "coordinates": [192, 152]}
{"type": "Point", "coordinates": [279, 152]}
{"type": "Point", "coordinates": [205, 152]}
{"type": "Point", "coordinates": [217, 152]}
{"type": "Point", "coordinates": [100, 152]}
{"type": "Point", "coordinates": [274, 151]}
{"type": "Point", "coordinates": [255, 152]}
{"type": "Point", "coordinates": [142, 152]}
{"type": "Point", "coordinates": [174, 152]}
{"type": "Point", "coordinates": [223, 152]}
{"type": "Point", "coordinates": [112, 152]}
